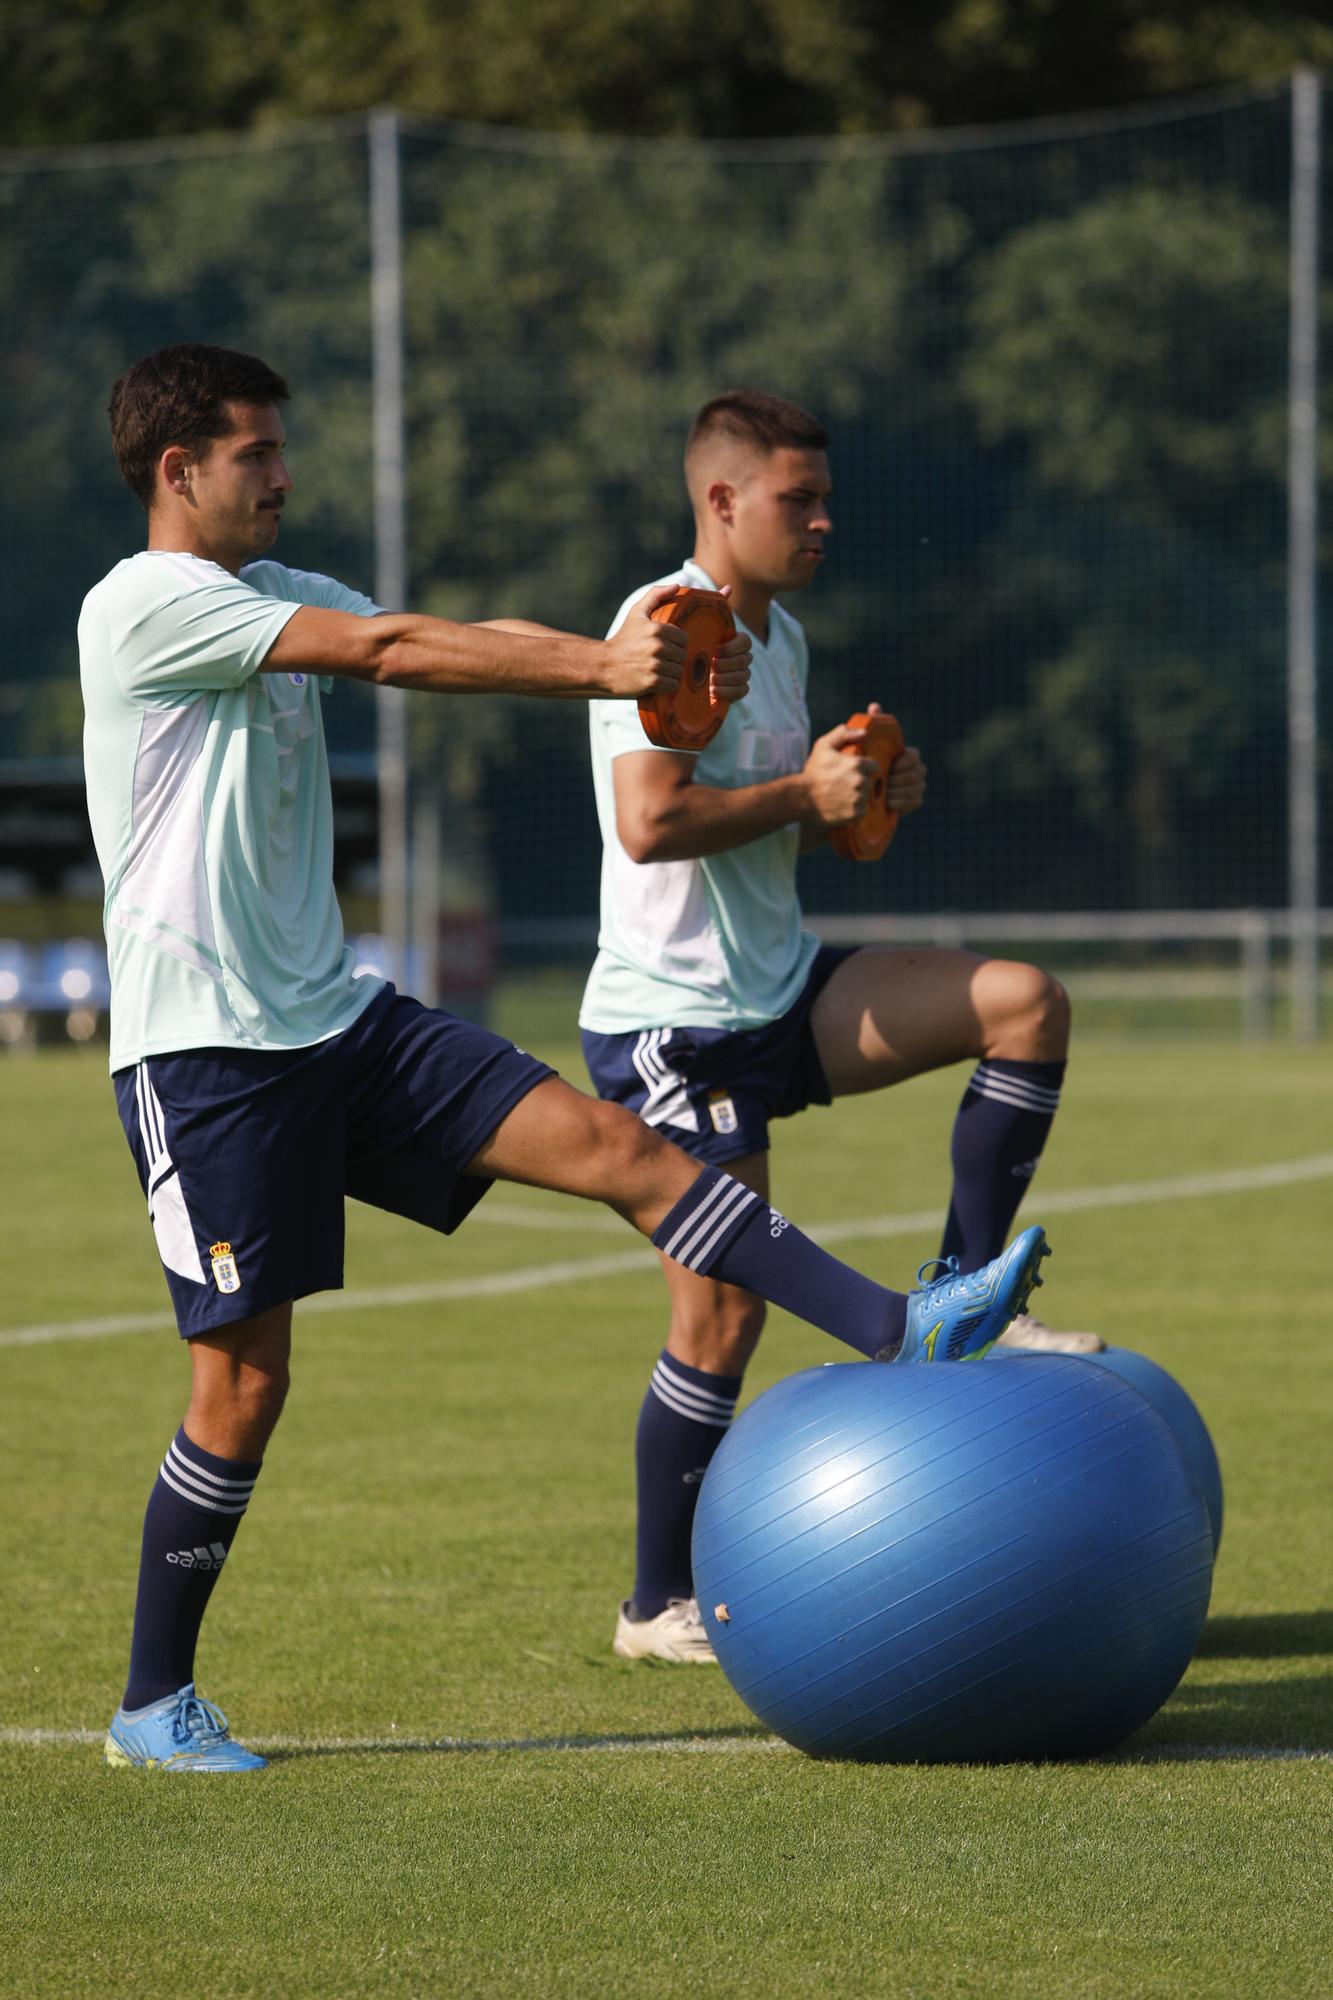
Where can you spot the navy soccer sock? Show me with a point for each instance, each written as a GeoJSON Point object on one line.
{"type": "Point", "coordinates": [684, 1419]}
{"type": "Point", "coordinates": [194, 1510]}
{"type": "Point", "coordinates": [998, 1135]}
{"type": "Point", "coordinates": [723, 1229]}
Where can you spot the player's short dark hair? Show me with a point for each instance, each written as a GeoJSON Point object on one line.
{"type": "Point", "coordinates": [179, 396]}
{"type": "Point", "coordinates": [752, 416]}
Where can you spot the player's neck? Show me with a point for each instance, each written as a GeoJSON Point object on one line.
{"type": "Point", "coordinates": [750, 602]}
{"type": "Point", "coordinates": [169, 534]}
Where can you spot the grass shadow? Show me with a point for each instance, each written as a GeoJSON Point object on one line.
{"type": "Point", "coordinates": [1232, 1716]}
{"type": "Point", "coordinates": [1279, 1635]}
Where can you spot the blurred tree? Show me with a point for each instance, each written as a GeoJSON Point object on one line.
{"type": "Point", "coordinates": [1054, 374]}
{"type": "Point", "coordinates": [116, 69]}
{"type": "Point", "coordinates": [1118, 346]}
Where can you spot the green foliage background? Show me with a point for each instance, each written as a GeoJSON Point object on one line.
{"type": "Point", "coordinates": [77, 70]}
{"type": "Point", "coordinates": [1053, 361]}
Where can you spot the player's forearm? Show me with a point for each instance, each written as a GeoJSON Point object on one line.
{"type": "Point", "coordinates": [704, 819]}
{"type": "Point", "coordinates": [435, 656]}
{"type": "Point", "coordinates": [523, 626]}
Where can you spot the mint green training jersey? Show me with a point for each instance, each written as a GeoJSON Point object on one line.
{"type": "Point", "coordinates": [715, 942]}
{"type": "Point", "coordinates": [208, 792]}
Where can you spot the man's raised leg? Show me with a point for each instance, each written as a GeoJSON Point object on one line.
{"type": "Point", "coordinates": [715, 1226]}
{"type": "Point", "coordinates": [887, 1015]}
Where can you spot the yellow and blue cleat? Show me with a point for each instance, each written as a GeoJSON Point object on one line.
{"type": "Point", "coordinates": [959, 1316]}
{"type": "Point", "coordinates": [179, 1733]}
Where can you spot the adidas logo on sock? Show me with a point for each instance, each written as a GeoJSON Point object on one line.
{"type": "Point", "coordinates": [212, 1557]}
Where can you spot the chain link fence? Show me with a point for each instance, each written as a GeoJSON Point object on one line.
{"type": "Point", "coordinates": [1055, 362]}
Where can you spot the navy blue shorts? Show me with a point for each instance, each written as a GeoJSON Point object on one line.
{"type": "Point", "coordinates": [246, 1155]}
{"type": "Point", "coordinates": [713, 1090]}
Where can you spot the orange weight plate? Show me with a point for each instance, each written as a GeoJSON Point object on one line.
{"type": "Point", "coordinates": [686, 717]}
{"type": "Point", "coordinates": [866, 838]}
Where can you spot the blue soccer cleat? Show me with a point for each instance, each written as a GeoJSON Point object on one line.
{"type": "Point", "coordinates": [179, 1733]}
{"type": "Point", "coordinates": [958, 1317]}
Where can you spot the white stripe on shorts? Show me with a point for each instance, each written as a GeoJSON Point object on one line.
{"type": "Point", "coordinates": [668, 1101]}
{"type": "Point", "coordinates": [167, 1210]}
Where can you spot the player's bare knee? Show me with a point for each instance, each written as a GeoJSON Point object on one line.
{"type": "Point", "coordinates": [267, 1384]}
{"type": "Point", "coordinates": [258, 1395]}
{"type": "Point", "coordinates": [635, 1164]}
{"type": "Point", "coordinates": [721, 1335]}
{"type": "Point", "coordinates": [1048, 1015]}
{"type": "Point", "coordinates": [625, 1146]}
{"type": "Point", "coordinates": [1025, 1012]}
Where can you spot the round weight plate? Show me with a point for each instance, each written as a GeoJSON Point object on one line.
{"type": "Point", "coordinates": [866, 838]}
{"type": "Point", "coordinates": [686, 717]}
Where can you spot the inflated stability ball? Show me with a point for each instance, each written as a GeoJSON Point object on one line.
{"type": "Point", "coordinates": [1187, 1426]}
{"type": "Point", "coordinates": [959, 1562]}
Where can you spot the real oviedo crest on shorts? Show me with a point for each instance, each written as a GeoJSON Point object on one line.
{"type": "Point", "coordinates": [225, 1275]}
{"type": "Point", "coordinates": [722, 1111]}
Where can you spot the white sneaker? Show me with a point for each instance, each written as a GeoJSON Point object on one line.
{"type": "Point", "coordinates": [1026, 1330]}
{"type": "Point", "coordinates": [676, 1636]}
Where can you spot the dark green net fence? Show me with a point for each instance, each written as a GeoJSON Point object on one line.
{"type": "Point", "coordinates": [1053, 362]}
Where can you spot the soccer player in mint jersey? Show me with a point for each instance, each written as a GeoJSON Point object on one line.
{"type": "Point", "coordinates": [710, 1009]}
{"type": "Point", "coordinates": [258, 1080]}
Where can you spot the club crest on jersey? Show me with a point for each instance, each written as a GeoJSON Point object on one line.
{"type": "Point", "coordinates": [722, 1111]}
{"type": "Point", "coordinates": [225, 1275]}
{"type": "Point", "coordinates": [297, 680]}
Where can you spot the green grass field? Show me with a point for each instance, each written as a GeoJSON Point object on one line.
{"type": "Point", "coordinates": [473, 1796]}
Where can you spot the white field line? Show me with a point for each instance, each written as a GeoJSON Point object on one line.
{"type": "Point", "coordinates": [730, 1746]}
{"type": "Point", "coordinates": [536, 1277]}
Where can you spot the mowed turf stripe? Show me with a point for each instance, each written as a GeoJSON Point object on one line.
{"type": "Point", "coordinates": [535, 1277]}
{"type": "Point", "coordinates": [331, 1746]}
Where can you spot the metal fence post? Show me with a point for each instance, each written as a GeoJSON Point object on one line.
{"type": "Point", "coordinates": [386, 320]}
{"type": "Point", "coordinates": [1302, 555]}
{"type": "Point", "coordinates": [1256, 970]}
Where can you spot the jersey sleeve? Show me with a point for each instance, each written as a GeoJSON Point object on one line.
{"type": "Point", "coordinates": [307, 586]}
{"type": "Point", "coordinates": [189, 633]}
{"type": "Point", "coordinates": [615, 726]}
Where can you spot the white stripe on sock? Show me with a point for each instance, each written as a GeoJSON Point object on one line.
{"type": "Point", "coordinates": [714, 1194]}
{"type": "Point", "coordinates": [1007, 1080]}
{"type": "Point", "coordinates": [700, 1405]}
{"type": "Point", "coordinates": [697, 1255]}
{"type": "Point", "coordinates": [683, 1408]}
{"type": "Point", "coordinates": [184, 1464]}
{"type": "Point", "coordinates": [199, 1499]}
{"type": "Point", "coordinates": [1014, 1090]}
{"type": "Point", "coordinates": [712, 1221]}
{"type": "Point", "coordinates": [673, 1370]}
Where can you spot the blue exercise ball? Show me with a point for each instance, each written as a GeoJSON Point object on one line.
{"type": "Point", "coordinates": [1187, 1426]}
{"type": "Point", "coordinates": [958, 1563]}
